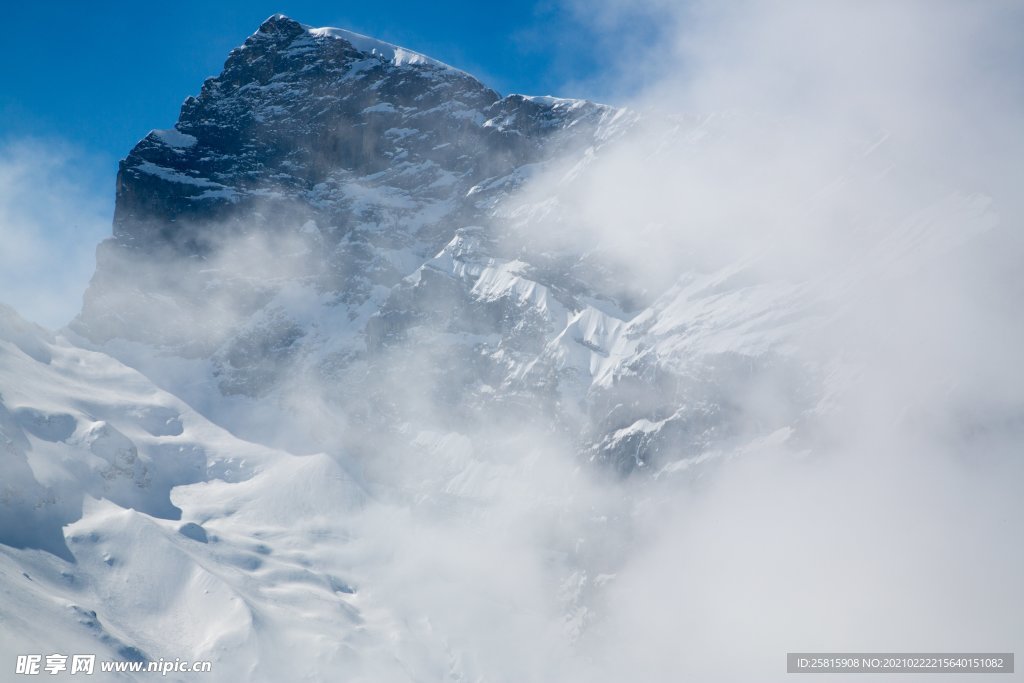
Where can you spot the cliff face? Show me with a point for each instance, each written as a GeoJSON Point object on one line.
{"type": "Point", "coordinates": [340, 218]}
{"type": "Point", "coordinates": [298, 113]}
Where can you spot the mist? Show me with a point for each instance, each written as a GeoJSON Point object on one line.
{"type": "Point", "coordinates": [855, 162]}
{"type": "Point", "coordinates": [821, 192]}
{"type": "Point", "coordinates": [853, 165]}
{"type": "Point", "coordinates": [809, 217]}
{"type": "Point", "coordinates": [55, 206]}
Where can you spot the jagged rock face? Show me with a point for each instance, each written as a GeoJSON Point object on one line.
{"type": "Point", "coordinates": [329, 214]}
{"type": "Point", "coordinates": [350, 148]}
{"type": "Point", "coordinates": [296, 114]}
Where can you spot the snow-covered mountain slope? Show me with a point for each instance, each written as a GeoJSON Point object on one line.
{"type": "Point", "coordinates": [92, 453]}
{"type": "Point", "coordinates": [134, 529]}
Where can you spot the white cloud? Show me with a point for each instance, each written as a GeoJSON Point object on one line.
{"type": "Point", "coordinates": [55, 206]}
{"type": "Point", "coordinates": [868, 152]}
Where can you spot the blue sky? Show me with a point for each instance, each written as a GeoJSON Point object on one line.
{"type": "Point", "coordinates": [83, 82]}
{"type": "Point", "coordinates": [103, 74]}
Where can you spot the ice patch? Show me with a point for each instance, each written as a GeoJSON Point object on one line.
{"type": "Point", "coordinates": [172, 137]}
{"type": "Point", "coordinates": [381, 108]}
{"type": "Point", "coordinates": [173, 176]}
{"type": "Point", "coordinates": [386, 51]}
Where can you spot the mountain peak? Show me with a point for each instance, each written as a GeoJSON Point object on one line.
{"type": "Point", "coordinates": [280, 25]}
{"type": "Point", "coordinates": [335, 129]}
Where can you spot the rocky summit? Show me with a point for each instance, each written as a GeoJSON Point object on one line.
{"type": "Point", "coordinates": [298, 114]}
